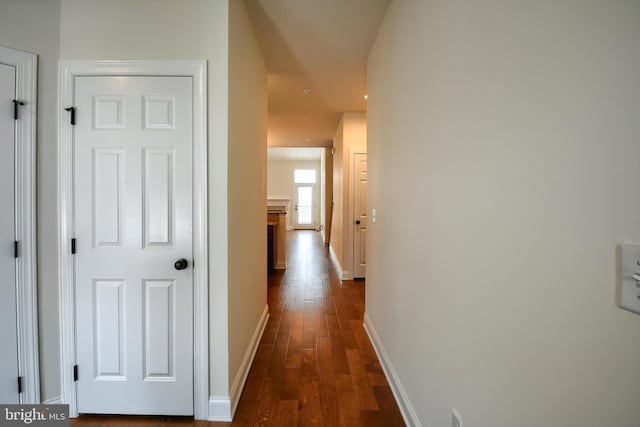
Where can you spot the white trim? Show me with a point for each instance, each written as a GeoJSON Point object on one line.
{"type": "Point", "coordinates": [220, 409]}
{"type": "Point", "coordinates": [247, 361]}
{"type": "Point", "coordinates": [198, 71]}
{"type": "Point", "coordinates": [406, 408]}
{"type": "Point", "coordinates": [26, 65]}
{"type": "Point", "coordinates": [350, 229]}
{"type": "Point", "coordinates": [342, 274]}
{"type": "Point", "coordinates": [53, 401]}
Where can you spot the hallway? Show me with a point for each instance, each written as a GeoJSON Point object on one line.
{"type": "Point", "coordinates": [315, 365]}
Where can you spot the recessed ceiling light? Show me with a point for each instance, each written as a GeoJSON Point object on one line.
{"type": "Point", "coordinates": [306, 90]}
{"type": "Point", "coordinates": [366, 97]}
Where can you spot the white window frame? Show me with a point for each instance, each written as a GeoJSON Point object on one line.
{"type": "Point", "coordinates": [69, 70]}
{"type": "Point", "coordinates": [26, 65]}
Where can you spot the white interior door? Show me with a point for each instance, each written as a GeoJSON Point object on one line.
{"type": "Point", "coordinates": [133, 223]}
{"type": "Point", "coordinates": [8, 308]}
{"type": "Point", "coordinates": [360, 213]}
{"type": "Point", "coordinates": [304, 206]}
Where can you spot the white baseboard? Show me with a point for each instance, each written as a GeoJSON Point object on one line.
{"type": "Point", "coordinates": [342, 274]}
{"type": "Point", "coordinates": [53, 401]}
{"type": "Point", "coordinates": [222, 408]}
{"type": "Point", "coordinates": [290, 228]}
{"type": "Point", "coordinates": [406, 408]}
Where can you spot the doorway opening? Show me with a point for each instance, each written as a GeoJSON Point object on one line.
{"type": "Point", "coordinates": [304, 199]}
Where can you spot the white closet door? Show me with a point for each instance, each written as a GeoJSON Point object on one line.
{"type": "Point", "coordinates": [133, 215]}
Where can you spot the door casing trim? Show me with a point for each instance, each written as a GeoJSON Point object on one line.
{"type": "Point", "coordinates": [68, 71]}
{"type": "Point", "coordinates": [26, 65]}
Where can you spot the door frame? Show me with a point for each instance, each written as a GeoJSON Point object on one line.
{"type": "Point", "coordinates": [351, 229]}
{"type": "Point", "coordinates": [197, 69]}
{"type": "Point", "coordinates": [26, 65]}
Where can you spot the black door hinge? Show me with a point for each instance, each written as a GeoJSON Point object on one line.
{"type": "Point", "coordinates": [15, 249]}
{"type": "Point", "coordinates": [16, 107]}
{"type": "Point", "coordinates": [72, 118]}
{"type": "Point", "coordinates": [73, 246]}
{"type": "Point", "coordinates": [19, 385]}
{"type": "Point", "coordinates": [75, 372]}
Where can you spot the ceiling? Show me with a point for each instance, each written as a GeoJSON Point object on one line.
{"type": "Point", "coordinates": [321, 45]}
{"type": "Point", "coordinates": [294, 153]}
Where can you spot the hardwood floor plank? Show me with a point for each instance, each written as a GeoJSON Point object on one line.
{"type": "Point", "coordinates": [347, 402]}
{"type": "Point", "coordinates": [310, 405]}
{"type": "Point", "coordinates": [389, 410]}
{"type": "Point", "coordinates": [362, 387]}
{"type": "Point", "coordinates": [295, 340]}
{"type": "Point", "coordinates": [309, 365]}
{"type": "Point", "coordinates": [287, 413]}
{"type": "Point", "coordinates": [328, 396]}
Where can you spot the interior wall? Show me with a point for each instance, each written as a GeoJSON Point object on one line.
{"type": "Point", "coordinates": [503, 148]}
{"type": "Point", "coordinates": [174, 29]}
{"type": "Point", "coordinates": [280, 184]}
{"type": "Point", "coordinates": [34, 26]}
{"type": "Point", "coordinates": [247, 186]}
{"type": "Point", "coordinates": [328, 191]}
{"type": "Point", "coordinates": [351, 134]}
{"type": "Point", "coordinates": [336, 244]}
{"type": "Point", "coordinates": [323, 184]}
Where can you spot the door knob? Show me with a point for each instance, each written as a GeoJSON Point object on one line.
{"type": "Point", "coordinates": [358, 221]}
{"type": "Point", "coordinates": [181, 264]}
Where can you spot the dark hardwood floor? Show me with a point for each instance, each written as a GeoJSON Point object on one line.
{"type": "Point", "coordinates": [315, 365]}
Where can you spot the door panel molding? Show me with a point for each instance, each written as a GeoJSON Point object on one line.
{"type": "Point", "coordinates": [26, 65]}
{"type": "Point", "coordinates": [68, 71]}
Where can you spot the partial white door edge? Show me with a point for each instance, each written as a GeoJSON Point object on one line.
{"type": "Point", "coordinates": [26, 65]}
{"type": "Point", "coordinates": [198, 71]}
{"type": "Point", "coordinates": [352, 176]}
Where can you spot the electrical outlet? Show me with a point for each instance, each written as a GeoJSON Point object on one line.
{"type": "Point", "coordinates": [456, 419]}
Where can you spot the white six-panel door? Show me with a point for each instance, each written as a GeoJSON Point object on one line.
{"type": "Point", "coordinates": [8, 314]}
{"type": "Point", "coordinates": [133, 221]}
{"type": "Point", "coordinates": [360, 213]}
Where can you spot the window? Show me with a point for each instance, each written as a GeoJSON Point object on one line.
{"type": "Point", "coordinates": [304, 176]}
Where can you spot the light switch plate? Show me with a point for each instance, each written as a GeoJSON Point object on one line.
{"type": "Point", "coordinates": [628, 291]}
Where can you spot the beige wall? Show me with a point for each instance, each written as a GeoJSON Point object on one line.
{"type": "Point", "coordinates": [247, 185]}
{"type": "Point", "coordinates": [337, 241]}
{"type": "Point", "coordinates": [503, 151]}
{"type": "Point", "coordinates": [34, 26]}
{"type": "Point", "coordinates": [351, 133]}
{"type": "Point", "coordinates": [280, 183]}
{"type": "Point", "coordinates": [326, 178]}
